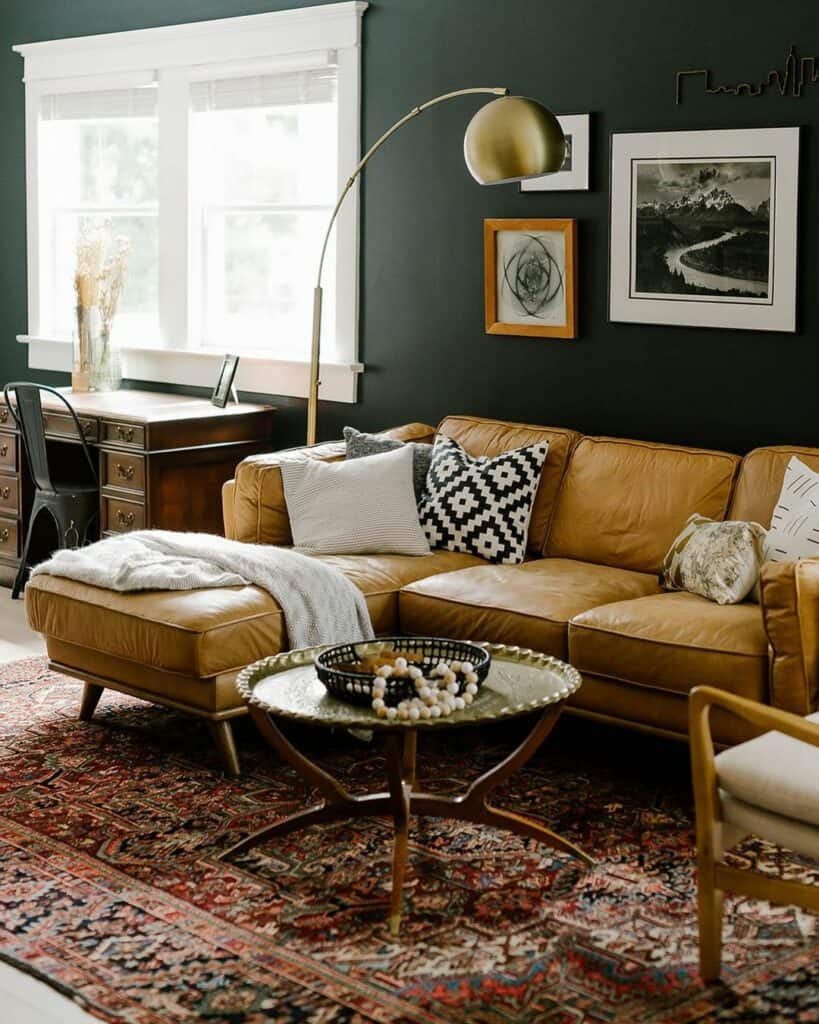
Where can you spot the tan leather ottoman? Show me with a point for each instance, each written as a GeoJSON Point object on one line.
{"type": "Point", "coordinates": [183, 649]}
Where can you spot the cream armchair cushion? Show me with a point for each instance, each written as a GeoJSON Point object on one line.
{"type": "Point", "coordinates": [769, 787]}
{"type": "Point", "coordinates": [774, 772]}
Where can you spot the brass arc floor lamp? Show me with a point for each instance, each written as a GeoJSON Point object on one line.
{"type": "Point", "coordinates": [507, 140]}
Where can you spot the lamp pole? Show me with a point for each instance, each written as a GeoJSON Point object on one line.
{"type": "Point", "coordinates": [315, 348]}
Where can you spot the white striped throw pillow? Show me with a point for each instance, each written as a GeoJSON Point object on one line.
{"type": "Point", "coordinates": [360, 507]}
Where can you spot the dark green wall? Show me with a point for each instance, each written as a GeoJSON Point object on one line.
{"type": "Point", "coordinates": [422, 332]}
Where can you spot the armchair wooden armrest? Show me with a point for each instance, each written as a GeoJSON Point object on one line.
{"type": "Point", "coordinates": [714, 876]}
{"type": "Point", "coordinates": [703, 698]}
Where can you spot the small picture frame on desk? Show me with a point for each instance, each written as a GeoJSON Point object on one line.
{"type": "Point", "coordinates": [224, 383]}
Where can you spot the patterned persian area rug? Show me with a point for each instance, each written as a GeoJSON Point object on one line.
{"type": "Point", "coordinates": [111, 889]}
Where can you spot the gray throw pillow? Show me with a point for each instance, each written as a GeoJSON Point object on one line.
{"type": "Point", "coordinates": [354, 508]}
{"type": "Point", "coordinates": [360, 445]}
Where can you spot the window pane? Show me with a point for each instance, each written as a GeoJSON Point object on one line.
{"type": "Point", "coordinates": [264, 169]}
{"type": "Point", "coordinates": [98, 166]}
{"type": "Point", "coordinates": [136, 320]}
{"type": "Point", "coordinates": [258, 282]}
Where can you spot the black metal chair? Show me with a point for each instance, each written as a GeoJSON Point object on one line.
{"type": "Point", "coordinates": [72, 505]}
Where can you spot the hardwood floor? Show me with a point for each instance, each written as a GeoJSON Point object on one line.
{"type": "Point", "coordinates": [23, 999]}
{"type": "Point", "coordinates": [16, 639]}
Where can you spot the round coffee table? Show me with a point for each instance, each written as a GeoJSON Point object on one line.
{"type": "Point", "coordinates": [519, 682]}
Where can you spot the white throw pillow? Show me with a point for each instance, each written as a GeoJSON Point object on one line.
{"type": "Point", "coordinates": [794, 531]}
{"type": "Point", "coordinates": [360, 507]}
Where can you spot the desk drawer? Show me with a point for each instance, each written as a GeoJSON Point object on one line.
{"type": "Point", "coordinates": [127, 434]}
{"type": "Point", "coordinates": [9, 534]}
{"type": "Point", "coordinates": [124, 471]}
{"type": "Point", "coordinates": [8, 452]}
{"type": "Point", "coordinates": [62, 425]}
{"type": "Point", "coordinates": [8, 494]}
{"type": "Point", "coordinates": [120, 515]}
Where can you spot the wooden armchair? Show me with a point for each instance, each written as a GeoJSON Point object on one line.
{"type": "Point", "coordinates": [769, 787]}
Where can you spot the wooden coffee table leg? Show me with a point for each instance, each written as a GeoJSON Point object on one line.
{"type": "Point", "coordinates": [337, 803]}
{"type": "Point", "coordinates": [400, 751]}
{"type": "Point", "coordinates": [409, 756]}
{"type": "Point", "coordinates": [474, 804]}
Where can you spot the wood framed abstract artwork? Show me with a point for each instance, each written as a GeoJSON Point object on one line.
{"type": "Point", "coordinates": [703, 228]}
{"type": "Point", "coordinates": [530, 273]}
{"type": "Point", "coordinates": [574, 174]}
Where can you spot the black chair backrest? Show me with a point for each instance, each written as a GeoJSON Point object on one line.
{"type": "Point", "coordinates": [27, 410]}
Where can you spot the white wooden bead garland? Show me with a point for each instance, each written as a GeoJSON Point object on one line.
{"type": "Point", "coordinates": [436, 695]}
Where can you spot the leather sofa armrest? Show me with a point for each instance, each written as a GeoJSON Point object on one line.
{"type": "Point", "coordinates": [258, 512]}
{"type": "Point", "coordinates": [790, 611]}
{"type": "Point", "coordinates": [228, 490]}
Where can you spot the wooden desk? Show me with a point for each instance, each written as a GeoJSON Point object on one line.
{"type": "Point", "coordinates": [162, 461]}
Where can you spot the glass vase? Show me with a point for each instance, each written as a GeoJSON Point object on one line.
{"type": "Point", "coordinates": [87, 327]}
{"type": "Point", "coordinates": [106, 361]}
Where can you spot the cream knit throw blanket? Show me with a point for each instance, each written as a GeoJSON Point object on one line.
{"type": "Point", "coordinates": [320, 605]}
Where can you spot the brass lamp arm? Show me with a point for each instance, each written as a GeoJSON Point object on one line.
{"type": "Point", "coordinates": [312, 400]}
{"type": "Point", "coordinates": [497, 91]}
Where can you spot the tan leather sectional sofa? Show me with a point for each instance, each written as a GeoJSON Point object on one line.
{"type": "Point", "coordinates": [606, 512]}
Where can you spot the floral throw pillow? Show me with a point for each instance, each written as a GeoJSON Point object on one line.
{"type": "Point", "coordinates": [717, 560]}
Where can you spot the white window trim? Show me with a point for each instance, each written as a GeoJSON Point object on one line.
{"type": "Point", "coordinates": [174, 55]}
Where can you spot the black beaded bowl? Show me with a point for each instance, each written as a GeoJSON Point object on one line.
{"type": "Point", "coordinates": [356, 688]}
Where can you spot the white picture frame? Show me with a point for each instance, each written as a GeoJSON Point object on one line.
{"type": "Point", "coordinates": [703, 228]}
{"type": "Point", "coordinates": [575, 176]}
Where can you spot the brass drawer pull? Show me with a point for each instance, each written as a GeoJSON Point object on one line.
{"type": "Point", "coordinates": [4, 414]}
{"type": "Point", "coordinates": [5, 492]}
{"type": "Point", "coordinates": [87, 427]}
{"type": "Point", "coordinates": [4, 535]}
{"type": "Point", "coordinates": [125, 472]}
{"type": "Point", "coordinates": [125, 518]}
{"type": "Point", "coordinates": [4, 450]}
{"type": "Point", "coordinates": [125, 433]}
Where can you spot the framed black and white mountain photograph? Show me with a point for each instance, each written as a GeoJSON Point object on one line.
{"type": "Point", "coordinates": [703, 228]}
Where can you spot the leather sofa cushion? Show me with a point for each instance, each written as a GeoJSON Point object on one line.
{"type": "Point", "coordinates": [491, 437]}
{"type": "Point", "coordinates": [674, 642]}
{"type": "Point", "coordinates": [760, 481]}
{"type": "Point", "coordinates": [528, 605]}
{"type": "Point", "coordinates": [622, 503]}
{"type": "Point", "coordinates": [202, 633]}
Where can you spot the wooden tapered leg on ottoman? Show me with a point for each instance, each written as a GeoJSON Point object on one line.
{"type": "Point", "coordinates": [222, 732]}
{"type": "Point", "coordinates": [219, 722]}
{"type": "Point", "coordinates": [91, 694]}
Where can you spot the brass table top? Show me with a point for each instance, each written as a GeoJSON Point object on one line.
{"type": "Point", "coordinates": [520, 681]}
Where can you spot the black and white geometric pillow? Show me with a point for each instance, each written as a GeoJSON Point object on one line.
{"type": "Point", "coordinates": [481, 506]}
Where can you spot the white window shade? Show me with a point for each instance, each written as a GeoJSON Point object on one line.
{"type": "Point", "coordinates": [286, 88]}
{"type": "Point", "coordinates": [105, 104]}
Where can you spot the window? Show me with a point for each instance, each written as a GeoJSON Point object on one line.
{"type": "Point", "coordinates": [263, 182]}
{"type": "Point", "coordinates": [216, 151]}
{"type": "Point", "coordinates": [98, 165]}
